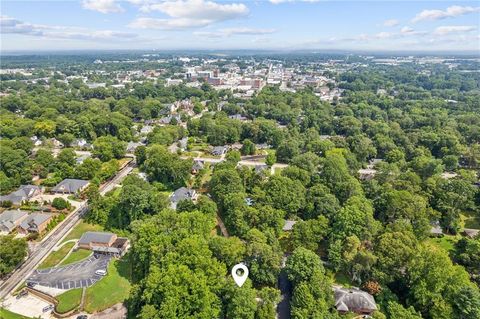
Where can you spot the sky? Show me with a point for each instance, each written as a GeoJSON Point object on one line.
{"type": "Point", "coordinates": [264, 25]}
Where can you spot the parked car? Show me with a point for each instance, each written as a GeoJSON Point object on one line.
{"type": "Point", "coordinates": [31, 284]}
{"type": "Point", "coordinates": [82, 317]}
{"type": "Point", "coordinates": [101, 272]}
{"type": "Point", "coordinates": [22, 293]}
{"type": "Point", "coordinates": [47, 308]}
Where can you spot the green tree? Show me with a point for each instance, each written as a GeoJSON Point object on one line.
{"type": "Point", "coordinates": [12, 252]}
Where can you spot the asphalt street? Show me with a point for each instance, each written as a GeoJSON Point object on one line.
{"type": "Point", "coordinates": [42, 250]}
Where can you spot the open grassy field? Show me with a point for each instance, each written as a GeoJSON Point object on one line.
{"type": "Point", "coordinates": [55, 257]}
{"type": "Point", "coordinates": [112, 289]}
{"type": "Point", "coordinates": [78, 230]}
{"type": "Point", "coordinates": [471, 221]}
{"type": "Point", "coordinates": [5, 314]}
{"type": "Point", "coordinates": [76, 256]}
{"type": "Point", "coordinates": [69, 300]}
{"type": "Point", "coordinates": [446, 242]}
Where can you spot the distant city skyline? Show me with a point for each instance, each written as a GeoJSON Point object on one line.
{"type": "Point", "coordinates": [229, 25]}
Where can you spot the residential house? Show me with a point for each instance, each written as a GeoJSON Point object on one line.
{"type": "Point", "coordinates": [367, 174]}
{"type": "Point", "coordinates": [80, 142]}
{"type": "Point", "coordinates": [354, 300]}
{"type": "Point", "coordinates": [23, 193]}
{"type": "Point", "coordinates": [146, 129]}
{"type": "Point", "coordinates": [35, 223]}
{"type": "Point", "coordinates": [81, 158]}
{"type": "Point", "coordinates": [436, 229]}
{"type": "Point", "coordinates": [219, 150]}
{"type": "Point", "coordinates": [471, 233]}
{"type": "Point", "coordinates": [70, 186]}
{"type": "Point", "coordinates": [197, 166]}
{"type": "Point", "coordinates": [167, 119]}
{"type": "Point", "coordinates": [288, 226]}
{"type": "Point", "coordinates": [180, 194]}
{"type": "Point", "coordinates": [261, 168]}
{"type": "Point", "coordinates": [11, 219]}
{"type": "Point", "coordinates": [104, 243]}
{"type": "Point", "coordinates": [238, 117]}
{"type": "Point", "coordinates": [132, 146]}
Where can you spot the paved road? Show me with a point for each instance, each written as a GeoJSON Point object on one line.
{"type": "Point", "coordinates": [42, 250]}
{"type": "Point", "coordinates": [76, 275]}
{"type": "Point", "coordinates": [26, 269]}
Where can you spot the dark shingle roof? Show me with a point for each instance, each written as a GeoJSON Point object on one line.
{"type": "Point", "coordinates": [96, 237]}
{"type": "Point", "coordinates": [354, 300]}
{"type": "Point", "coordinates": [70, 185]}
{"type": "Point", "coordinates": [24, 192]}
{"type": "Point", "coordinates": [181, 194]}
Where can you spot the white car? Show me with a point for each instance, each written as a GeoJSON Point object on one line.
{"type": "Point", "coordinates": [101, 272]}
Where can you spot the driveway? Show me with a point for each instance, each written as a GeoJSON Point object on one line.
{"type": "Point", "coordinates": [77, 275]}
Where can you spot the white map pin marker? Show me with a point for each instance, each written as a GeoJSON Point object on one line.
{"type": "Point", "coordinates": [240, 279]}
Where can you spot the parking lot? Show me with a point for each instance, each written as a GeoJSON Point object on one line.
{"type": "Point", "coordinates": [30, 306]}
{"type": "Point", "coordinates": [77, 275]}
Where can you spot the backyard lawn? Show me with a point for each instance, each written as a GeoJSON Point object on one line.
{"type": "Point", "coordinates": [5, 314]}
{"type": "Point", "coordinates": [76, 256]}
{"type": "Point", "coordinates": [78, 230]}
{"type": "Point", "coordinates": [69, 300]}
{"type": "Point", "coordinates": [446, 242]}
{"type": "Point", "coordinates": [112, 289]}
{"type": "Point", "coordinates": [471, 221]}
{"type": "Point", "coordinates": [55, 257]}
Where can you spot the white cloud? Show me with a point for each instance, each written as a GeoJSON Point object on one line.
{"type": "Point", "coordinates": [285, 1]}
{"type": "Point", "coordinates": [186, 13]}
{"type": "Point", "coordinates": [384, 35]}
{"type": "Point", "coordinates": [103, 6]}
{"type": "Point", "coordinates": [11, 25]}
{"type": "Point", "coordinates": [450, 12]}
{"type": "Point", "coordinates": [406, 29]}
{"type": "Point", "coordinates": [247, 31]}
{"type": "Point", "coordinates": [445, 30]}
{"type": "Point", "coordinates": [233, 31]}
{"type": "Point", "coordinates": [168, 24]}
{"type": "Point", "coordinates": [391, 22]}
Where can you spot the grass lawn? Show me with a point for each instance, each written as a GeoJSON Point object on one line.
{"type": "Point", "coordinates": [76, 256]}
{"type": "Point", "coordinates": [112, 289]}
{"type": "Point", "coordinates": [69, 300]}
{"type": "Point", "coordinates": [5, 314]}
{"type": "Point", "coordinates": [78, 231]}
{"type": "Point", "coordinates": [446, 242]}
{"type": "Point", "coordinates": [123, 161]}
{"type": "Point", "coordinates": [55, 257]}
{"type": "Point", "coordinates": [471, 221]}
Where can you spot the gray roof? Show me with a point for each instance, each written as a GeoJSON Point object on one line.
{"type": "Point", "coordinates": [436, 229]}
{"type": "Point", "coordinates": [96, 237]}
{"type": "Point", "coordinates": [471, 232]}
{"type": "Point", "coordinates": [289, 225]}
{"type": "Point", "coordinates": [9, 217]}
{"type": "Point", "coordinates": [33, 220]}
{"type": "Point", "coordinates": [198, 165]}
{"type": "Point", "coordinates": [24, 192]}
{"type": "Point", "coordinates": [181, 194]}
{"type": "Point", "coordinates": [354, 300]}
{"type": "Point", "coordinates": [219, 150]}
{"type": "Point", "coordinates": [132, 146]}
{"type": "Point", "coordinates": [70, 185]}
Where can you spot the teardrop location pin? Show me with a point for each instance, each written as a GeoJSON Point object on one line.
{"type": "Point", "coordinates": [240, 279]}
